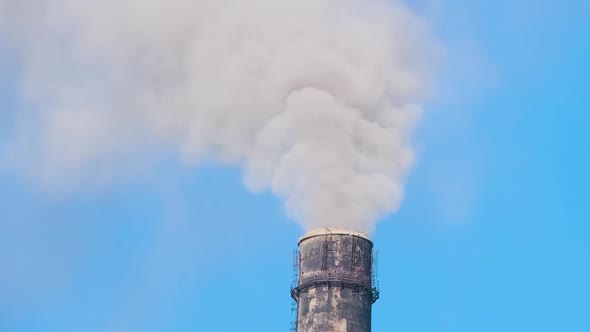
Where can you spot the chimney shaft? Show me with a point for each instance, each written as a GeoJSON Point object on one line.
{"type": "Point", "coordinates": [335, 288]}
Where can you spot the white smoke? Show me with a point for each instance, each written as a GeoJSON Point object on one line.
{"type": "Point", "coordinates": [316, 99]}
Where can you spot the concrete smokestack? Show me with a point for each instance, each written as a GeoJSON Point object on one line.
{"type": "Point", "coordinates": [335, 288]}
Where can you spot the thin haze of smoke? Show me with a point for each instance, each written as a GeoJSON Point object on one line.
{"type": "Point", "coordinates": [314, 98]}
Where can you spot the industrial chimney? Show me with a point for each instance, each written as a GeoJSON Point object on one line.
{"type": "Point", "coordinates": [334, 286]}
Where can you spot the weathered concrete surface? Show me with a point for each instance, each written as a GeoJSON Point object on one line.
{"type": "Point", "coordinates": [335, 291]}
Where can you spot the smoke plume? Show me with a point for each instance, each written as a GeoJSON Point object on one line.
{"type": "Point", "coordinates": [315, 99]}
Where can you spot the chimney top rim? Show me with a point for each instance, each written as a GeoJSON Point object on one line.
{"type": "Point", "coordinates": [333, 231]}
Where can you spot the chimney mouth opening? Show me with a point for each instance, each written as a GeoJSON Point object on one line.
{"type": "Point", "coordinates": [333, 231]}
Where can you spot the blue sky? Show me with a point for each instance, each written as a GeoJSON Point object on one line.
{"type": "Point", "coordinates": [493, 235]}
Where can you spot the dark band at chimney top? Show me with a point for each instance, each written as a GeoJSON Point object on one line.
{"type": "Point", "coordinates": [335, 286]}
